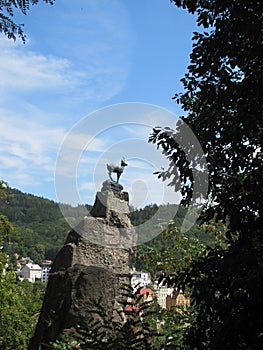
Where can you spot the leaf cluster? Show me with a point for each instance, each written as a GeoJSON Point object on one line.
{"type": "Point", "coordinates": [173, 251]}
{"type": "Point", "coordinates": [223, 94]}
{"type": "Point", "coordinates": [226, 288]}
{"type": "Point", "coordinates": [7, 12]}
{"type": "Point", "coordinates": [19, 307]}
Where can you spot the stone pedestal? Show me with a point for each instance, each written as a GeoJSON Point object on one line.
{"type": "Point", "coordinates": [110, 185]}
{"type": "Point", "coordinates": [94, 261]}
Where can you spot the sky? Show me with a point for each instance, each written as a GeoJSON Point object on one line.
{"type": "Point", "coordinates": [85, 90]}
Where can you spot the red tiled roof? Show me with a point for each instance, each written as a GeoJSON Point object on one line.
{"type": "Point", "coordinates": [144, 291]}
{"type": "Point", "coordinates": [130, 308]}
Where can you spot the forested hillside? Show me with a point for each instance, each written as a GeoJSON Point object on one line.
{"type": "Point", "coordinates": [39, 228]}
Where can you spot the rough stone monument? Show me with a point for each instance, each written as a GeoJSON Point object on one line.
{"type": "Point", "coordinates": [92, 265]}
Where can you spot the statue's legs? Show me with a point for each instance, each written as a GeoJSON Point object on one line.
{"type": "Point", "coordinates": [110, 175]}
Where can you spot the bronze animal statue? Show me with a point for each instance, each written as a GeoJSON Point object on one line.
{"type": "Point", "coordinates": [116, 169]}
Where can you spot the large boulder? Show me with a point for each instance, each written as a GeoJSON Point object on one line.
{"type": "Point", "coordinates": [91, 266]}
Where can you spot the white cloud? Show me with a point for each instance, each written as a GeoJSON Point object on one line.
{"type": "Point", "coordinates": [25, 73]}
{"type": "Point", "coordinates": [22, 179]}
{"type": "Point", "coordinates": [27, 148]}
{"type": "Point", "coordinates": [22, 135]}
{"type": "Point", "coordinates": [29, 70]}
{"type": "Point", "coordinates": [9, 162]}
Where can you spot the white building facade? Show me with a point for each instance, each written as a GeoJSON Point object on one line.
{"type": "Point", "coordinates": [161, 293]}
{"type": "Point", "coordinates": [31, 272]}
{"type": "Point", "coordinates": [140, 279]}
{"type": "Point", "coordinates": [46, 266]}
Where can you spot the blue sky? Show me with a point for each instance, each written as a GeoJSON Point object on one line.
{"type": "Point", "coordinates": [81, 57]}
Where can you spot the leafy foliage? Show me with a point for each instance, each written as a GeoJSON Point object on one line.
{"type": "Point", "coordinates": [8, 8]}
{"type": "Point", "coordinates": [173, 251]}
{"type": "Point", "coordinates": [226, 291]}
{"type": "Point", "coordinates": [19, 308]}
{"type": "Point", "coordinates": [3, 187]}
{"type": "Point", "coordinates": [223, 99]}
{"type": "Point", "coordinates": [6, 229]}
{"type": "Point", "coordinates": [172, 329]}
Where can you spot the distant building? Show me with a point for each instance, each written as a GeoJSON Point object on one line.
{"type": "Point", "coordinates": [177, 300]}
{"type": "Point", "coordinates": [46, 266]}
{"type": "Point", "coordinates": [23, 261]}
{"type": "Point", "coordinates": [147, 294]}
{"type": "Point", "coordinates": [140, 279]}
{"type": "Point", "coordinates": [31, 272]}
{"type": "Point", "coordinates": [161, 293]}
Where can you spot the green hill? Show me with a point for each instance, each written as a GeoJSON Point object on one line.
{"type": "Point", "coordinates": [39, 226]}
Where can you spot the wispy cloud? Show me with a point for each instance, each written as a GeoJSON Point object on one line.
{"type": "Point", "coordinates": [27, 73]}
{"type": "Point", "coordinates": [26, 69]}
{"type": "Point", "coordinates": [72, 158]}
{"type": "Point", "coordinates": [27, 148]}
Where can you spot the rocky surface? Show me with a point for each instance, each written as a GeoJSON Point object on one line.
{"type": "Point", "coordinates": [91, 266]}
{"type": "Point", "coordinates": [110, 185]}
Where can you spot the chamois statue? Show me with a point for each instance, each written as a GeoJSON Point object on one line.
{"type": "Point", "coordinates": [116, 169]}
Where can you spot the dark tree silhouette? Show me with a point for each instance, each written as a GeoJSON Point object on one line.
{"type": "Point", "coordinates": [223, 100]}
